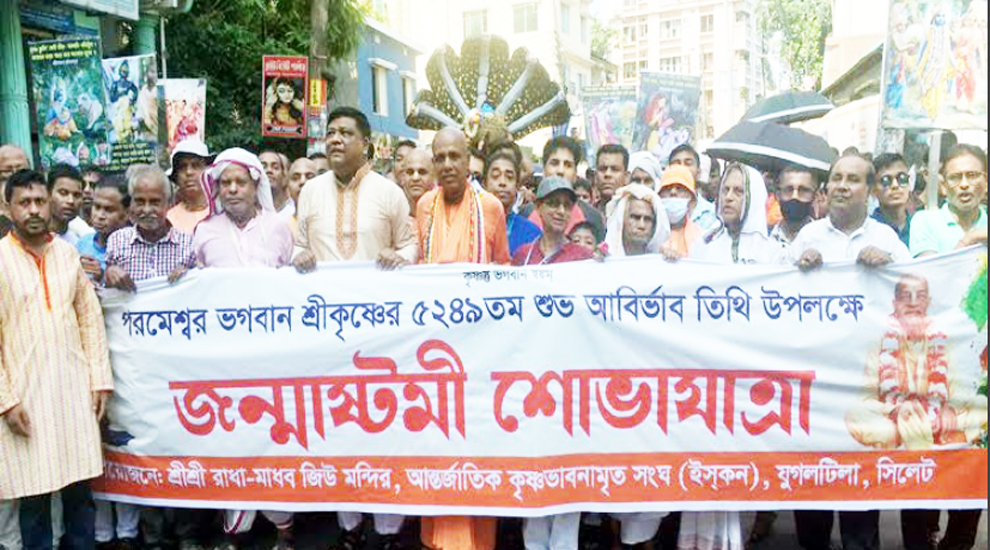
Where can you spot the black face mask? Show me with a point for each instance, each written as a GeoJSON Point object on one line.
{"type": "Point", "coordinates": [795, 210]}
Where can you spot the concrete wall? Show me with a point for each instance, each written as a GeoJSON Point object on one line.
{"type": "Point", "coordinates": [375, 45]}
{"type": "Point", "coordinates": [355, 81]}
{"type": "Point", "coordinates": [858, 27]}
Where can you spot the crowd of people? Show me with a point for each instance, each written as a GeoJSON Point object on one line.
{"type": "Point", "coordinates": [70, 232]}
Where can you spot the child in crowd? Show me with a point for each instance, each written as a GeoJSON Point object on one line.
{"type": "Point", "coordinates": [584, 235]}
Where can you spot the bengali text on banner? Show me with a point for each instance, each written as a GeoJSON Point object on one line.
{"type": "Point", "coordinates": [617, 386]}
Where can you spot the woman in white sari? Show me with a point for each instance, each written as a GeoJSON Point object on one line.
{"type": "Point", "coordinates": [740, 237]}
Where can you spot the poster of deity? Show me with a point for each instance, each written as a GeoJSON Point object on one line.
{"type": "Point", "coordinates": [935, 65]}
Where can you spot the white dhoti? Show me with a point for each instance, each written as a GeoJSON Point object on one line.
{"type": "Point", "coordinates": [385, 524]}
{"type": "Point", "coordinates": [236, 522]}
{"type": "Point", "coordinates": [560, 532]}
{"type": "Point", "coordinates": [128, 518]}
{"type": "Point", "coordinates": [639, 528]}
{"type": "Point", "coordinates": [710, 531]}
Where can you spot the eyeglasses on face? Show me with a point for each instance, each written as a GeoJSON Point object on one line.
{"type": "Point", "coordinates": [957, 178]}
{"type": "Point", "coordinates": [901, 180]}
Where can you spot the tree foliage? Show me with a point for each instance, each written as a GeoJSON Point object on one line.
{"type": "Point", "coordinates": [804, 25]}
{"type": "Point", "coordinates": [224, 41]}
{"type": "Point", "coordinates": [602, 39]}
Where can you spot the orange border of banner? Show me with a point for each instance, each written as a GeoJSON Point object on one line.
{"type": "Point", "coordinates": [959, 476]}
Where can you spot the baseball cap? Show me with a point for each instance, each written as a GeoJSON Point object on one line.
{"type": "Point", "coordinates": [192, 147]}
{"type": "Point", "coordinates": [677, 175]}
{"type": "Point", "coordinates": [552, 185]}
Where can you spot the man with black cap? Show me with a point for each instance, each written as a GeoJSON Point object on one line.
{"type": "Point", "coordinates": [555, 198]}
{"type": "Point", "coordinates": [189, 159]}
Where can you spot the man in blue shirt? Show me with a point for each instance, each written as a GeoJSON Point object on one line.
{"type": "Point", "coordinates": [110, 204]}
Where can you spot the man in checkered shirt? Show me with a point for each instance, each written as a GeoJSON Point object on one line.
{"type": "Point", "coordinates": [150, 247]}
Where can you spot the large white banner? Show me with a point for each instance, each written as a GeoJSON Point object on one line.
{"type": "Point", "coordinates": [628, 385]}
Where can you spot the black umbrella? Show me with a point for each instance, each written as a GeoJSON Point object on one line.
{"type": "Point", "coordinates": [790, 107]}
{"type": "Point", "coordinates": [773, 147]}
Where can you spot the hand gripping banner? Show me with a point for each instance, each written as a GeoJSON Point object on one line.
{"type": "Point", "coordinates": [624, 386]}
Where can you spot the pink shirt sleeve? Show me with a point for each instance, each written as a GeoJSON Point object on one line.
{"type": "Point", "coordinates": [284, 242]}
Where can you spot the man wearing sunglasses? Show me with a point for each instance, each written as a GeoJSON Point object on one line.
{"type": "Point", "coordinates": [894, 193]}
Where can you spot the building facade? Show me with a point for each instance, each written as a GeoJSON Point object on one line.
{"type": "Point", "coordinates": [380, 79]}
{"type": "Point", "coordinates": [715, 39]}
{"type": "Point", "coordinates": [858, 27]}
{"type": "Point", "coordinates": [557, 32]}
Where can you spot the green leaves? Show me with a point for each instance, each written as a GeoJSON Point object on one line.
{"type": "Point", "coordinates": [804, 24]}
{"type": "Point", "coordinates": [224, 41]}
{"type": "Point", "coordinates": [602, 39]}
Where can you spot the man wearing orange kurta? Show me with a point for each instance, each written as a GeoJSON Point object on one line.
{"type": "Point", "coordinates": [458, 223]}
{"type": "Point", "coordinates": [54, 373]}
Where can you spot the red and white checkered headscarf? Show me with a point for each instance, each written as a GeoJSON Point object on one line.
{"type": "Point", "coordinates": [247, 160]}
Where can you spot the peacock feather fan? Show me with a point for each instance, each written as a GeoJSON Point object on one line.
{"type": "Point", "coordinates": [487, 94]}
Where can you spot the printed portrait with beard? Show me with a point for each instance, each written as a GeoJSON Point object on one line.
{"type": "Point", "coordinates": [913, 400]}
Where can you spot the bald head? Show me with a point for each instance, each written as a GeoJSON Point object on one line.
{"type": "Point", "coordinates": [301, 171]}
{"type": "Point", "coordinates": [420, 156]}
{"type": "Point", "coordinates": [12, 159]}
{"type": "Point", "coordinates": [416, 177]}
{"type": "Point", "coordinates": [450, 162]}
{"type": "Point", "coordinates": [450, 136]}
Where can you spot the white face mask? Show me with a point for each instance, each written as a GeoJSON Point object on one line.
{"type": "Point", "coordinates": [677, 209]}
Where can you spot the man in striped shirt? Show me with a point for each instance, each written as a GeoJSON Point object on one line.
{"type": "Point", "coordinates": [54, 373]}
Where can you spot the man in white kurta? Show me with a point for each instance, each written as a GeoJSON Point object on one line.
{"type": "Point", "coordinates": [353, 214]}
{"type": "Point", "coordinates": [54, 372]}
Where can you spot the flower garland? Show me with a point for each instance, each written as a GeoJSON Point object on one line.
{"type": "Point", "coordinates": [898, 386]}
{"type": "Point", "coordinates": [477, 252]}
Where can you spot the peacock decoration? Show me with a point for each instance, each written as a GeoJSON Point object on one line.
{"type": "Point", "coordinates": [487, 94]}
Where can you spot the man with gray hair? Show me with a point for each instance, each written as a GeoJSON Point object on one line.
{"type": "Point", "coordinates": [150, 247]}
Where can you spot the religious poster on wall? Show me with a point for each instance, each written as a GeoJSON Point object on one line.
{"type": "Point", "coordinates": [609, 116]}
{"type": "Point", "coordinates": [668, 112]}
{"type": "Point", "coordinates": [936, 65]}
{"type": "Point", "coordinates": [185, 109]}
{"type": "Point", "coordinates": [132, 110]}
{"type": "Point", "coordinates": [283, 112]}
{"type": "Point", "coordinates": [69, 101]}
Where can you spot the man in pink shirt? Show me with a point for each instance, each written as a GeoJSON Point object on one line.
{"type": "Point", "coordinates": [245, 231]}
